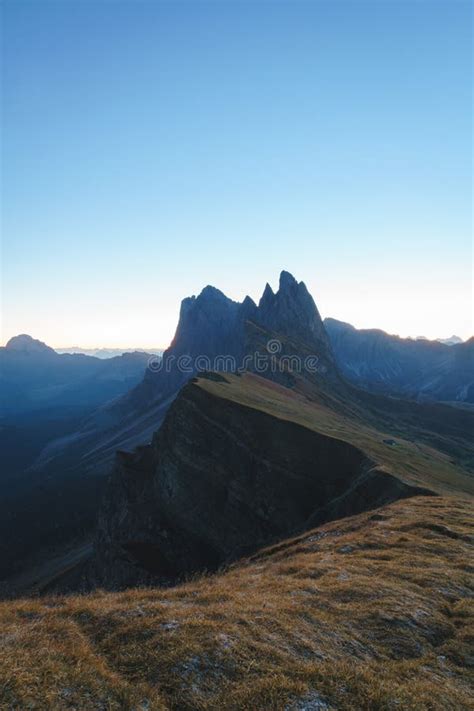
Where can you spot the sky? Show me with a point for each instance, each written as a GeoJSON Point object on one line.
{"type": "Point", "coordinates": [151, 148]}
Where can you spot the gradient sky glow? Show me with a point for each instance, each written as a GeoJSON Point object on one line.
{"type": "Point", "coordinates": [151, 148]}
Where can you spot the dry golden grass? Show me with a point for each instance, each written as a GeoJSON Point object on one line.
{"type": "Point", "coordinates": [371, 612]}
{"type": "Point", "coordinates": [411, 460]}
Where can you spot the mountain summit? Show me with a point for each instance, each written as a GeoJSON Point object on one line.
{"type": "Point", "coordinates": [214, 333]}
{"type": "Point", "coordinates": [212, 325]}
{"type": "Point", "coordinates": [292, 311]}
{"type": "Point", "coordinates": [24, 343]}
{"type": "Point", "coordinates": [217, 333]}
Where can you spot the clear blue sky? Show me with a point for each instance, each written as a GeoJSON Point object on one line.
{"type": "Point", "coordinates": [151, 148]}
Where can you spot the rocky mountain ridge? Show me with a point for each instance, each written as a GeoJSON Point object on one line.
{"type": "Point", "coordinates": [221, 480]}
{"type": "Point", "coordinates": [213, 333]}
{"type": "Point", "coordinates": [416, 368]}
{"type": "Point", "coordinates": [70, 473]}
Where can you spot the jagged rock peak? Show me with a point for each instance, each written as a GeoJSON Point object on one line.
{"type": "Point", "coordinates": [248, 309]}
{"type": "Point", "coordinates": [267, 293]}
{"type": "Point", "coordinates": [292, 311]}
{"type": "Point", "coordinates": [210, 323]}
{"type": "Point", "coordinates": [288, 287]}
{"type": "Point", "coordinates": [208, 296]}
{"type": "Point", "coordinates": [213, 323]}
{"type": "Point", "coordinates": [249, 302]}
{"type": "Point", "coordinates": [26, 343]}
{"type": "Point", "coordinates": [211, 293]}
{"type": "Point", "coordinates": [287, 280]}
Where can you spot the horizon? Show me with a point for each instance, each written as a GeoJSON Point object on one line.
{"type": "Point", "coordinates": [256, 299]}
{"type": "Point", "coordinates": [163, 347]}
{"type": "Point", "coordinates": [153, 148]}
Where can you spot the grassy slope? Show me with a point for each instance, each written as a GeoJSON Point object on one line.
{"type": "Point", "coordinates": [412, 461]}
{"type": "Point", "coordinates": [371, 612]}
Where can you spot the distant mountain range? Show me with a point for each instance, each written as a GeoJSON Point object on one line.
{"type": "Point", "coordinates": [451, 341]}
{"type": "Point", "coordinates": [45, 396]}
{"type": "Point", "coordinates": [415, 368]}
{"type": "Point", "coordinates": [112, 352]}
{"type": "Point", "coordinates": [108, 352]}
{"type": "Point", "coordinates": [61, 491]}
{"type": "Point", "coordinates": [211, 327]}
{"type": "Point", "coordinates": [34, 376]}
{"type": "Point", "coordinates": [232, 467]}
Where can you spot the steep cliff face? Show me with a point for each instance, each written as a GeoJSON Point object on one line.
{"type": "Point", "coordinates": [221, 480]}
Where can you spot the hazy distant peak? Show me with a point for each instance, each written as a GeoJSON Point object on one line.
{"type": "Point", "coordinates": [451, 341]}
{"type": "Point", "coordinates": [107, 353]}
{"type": "Point", "coordinates": [25, 343]}
{"type": "Point", "coordinates": [334, 325]}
